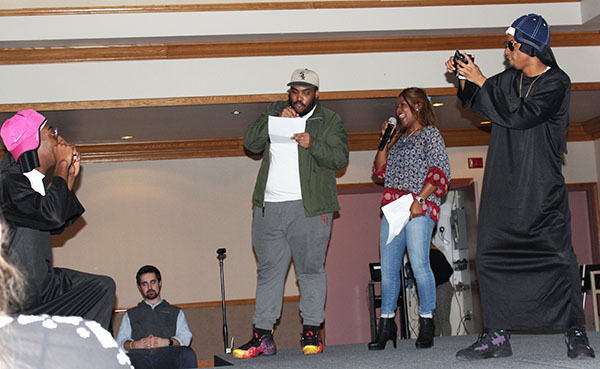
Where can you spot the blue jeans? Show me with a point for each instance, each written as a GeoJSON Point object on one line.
{"type": "Point", "coordinates": [172, 357]}
{"type": "Point", "coordinates": [416, 237]}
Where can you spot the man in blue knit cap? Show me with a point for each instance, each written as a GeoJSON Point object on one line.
{"type": "Point", "coordinates": [528, 273]}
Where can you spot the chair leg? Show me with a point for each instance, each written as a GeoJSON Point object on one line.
{"type": "Point", "coordinates": [595, 293]}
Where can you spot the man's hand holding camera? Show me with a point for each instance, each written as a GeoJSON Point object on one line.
{"type": "Point", "coordinates": [467, 68]}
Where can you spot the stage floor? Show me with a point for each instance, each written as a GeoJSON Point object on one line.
{"type": "Point", "coordinates": [529, 352]}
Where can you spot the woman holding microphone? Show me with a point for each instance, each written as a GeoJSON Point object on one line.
{"type": "Point", "coordinates": [413, 163]}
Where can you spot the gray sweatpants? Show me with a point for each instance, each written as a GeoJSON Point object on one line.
{"type": "Point", "coordinates": [280, 232]}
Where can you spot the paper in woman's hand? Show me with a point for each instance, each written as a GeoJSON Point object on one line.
{"type": "Point", "coordinates": [397, 214]}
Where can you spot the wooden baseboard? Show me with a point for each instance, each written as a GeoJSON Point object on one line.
{"type": "Point", "coordinates": [213, 304]}
{"type": "Point", "coordinates": [206, 363]}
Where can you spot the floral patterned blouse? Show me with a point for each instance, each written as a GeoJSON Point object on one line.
{"type": "Point", "coordinates": [412, 162]}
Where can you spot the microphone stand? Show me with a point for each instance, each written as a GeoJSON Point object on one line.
{"type": "Point", "coordinates": [221, 255]}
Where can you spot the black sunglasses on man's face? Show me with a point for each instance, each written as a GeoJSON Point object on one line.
{"type": "Point", "coordinates": [510, 44]}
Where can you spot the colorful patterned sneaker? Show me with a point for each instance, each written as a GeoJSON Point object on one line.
{"type": "Point", "coordinates": [261, 343]}
{"type": "Point", "coordinates": [310, 339]}
{"type": "Point", "coordinates": [578, 346]}
{"type": "Point", "coordinates": [491, 343]}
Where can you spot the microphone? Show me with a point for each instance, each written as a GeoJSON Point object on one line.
{"type": "Point", "coordinates": [386, 135]}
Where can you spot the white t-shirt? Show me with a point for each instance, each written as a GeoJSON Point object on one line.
{"type": "Point", "coordinates": [283, 181]}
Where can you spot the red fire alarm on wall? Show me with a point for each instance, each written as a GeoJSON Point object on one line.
{"type": "Point", "coordinates": [475, 162]}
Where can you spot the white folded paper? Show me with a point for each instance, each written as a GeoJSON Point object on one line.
{"type": "Point", "coordinates": [397, 214]}
{"type": "Point", "coordinates": [282, 129]}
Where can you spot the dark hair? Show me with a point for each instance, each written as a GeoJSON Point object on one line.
{"type": "Point", "coordinates": [147, 269]}
{"type": "Point", "coordinates": [425, 115]}
{"type": "Point", "coordinates": [414, 96]}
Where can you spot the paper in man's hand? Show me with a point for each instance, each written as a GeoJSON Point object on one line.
{"type": "Point", "coordinates": [282, 129]}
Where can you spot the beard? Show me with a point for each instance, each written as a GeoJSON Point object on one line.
{"type": "Point", "coordinates": [151, 294]}
{"type": "Point", "coordinates": [300, 108]}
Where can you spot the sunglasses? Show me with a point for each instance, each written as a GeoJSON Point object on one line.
{"type": "Point", "coordinates": [510, 44]}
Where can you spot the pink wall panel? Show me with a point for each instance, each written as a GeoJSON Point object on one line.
{"type": "Point", "coordinates": [582, 241]}
{"type": "Point", "coordinates": [354, 244]}
{"type": "Point", "coordinates": [580, 226]}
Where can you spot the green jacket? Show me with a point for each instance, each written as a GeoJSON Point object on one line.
{"type": "Point", "coordinates": [328, 153]}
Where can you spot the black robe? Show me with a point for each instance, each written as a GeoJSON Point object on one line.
{"type": "Point", "coordinates": [31, 219]}
{"type": "Point", "coordinates": [527, 270]}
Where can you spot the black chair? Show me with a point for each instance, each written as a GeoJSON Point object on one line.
{"type": "Point", "coordinates": [374, 302]}
{"type": "Point", "coordinates": [590, 281]}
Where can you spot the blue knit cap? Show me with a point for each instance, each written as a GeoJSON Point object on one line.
{"type": "Point", "coordinates": [532, 30]}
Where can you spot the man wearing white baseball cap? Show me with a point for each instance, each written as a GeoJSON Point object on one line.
{"type": "Point", "coordinates": [34, 212]}
{"type": "Point", "coordinates": [527, 269]}
{"type": "Point", "coordinates": [294, 199]}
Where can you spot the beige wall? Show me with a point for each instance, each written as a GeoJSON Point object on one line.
{"type": "Point", "coordinates": [176, 213]}
{"type": "Point", "coordinates": [258, 75]}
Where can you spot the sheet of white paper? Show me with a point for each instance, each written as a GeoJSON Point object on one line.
{"type": "Point", "coordinates": [397, 213]}
{"type": "Point", "coordinates": [282, 129]}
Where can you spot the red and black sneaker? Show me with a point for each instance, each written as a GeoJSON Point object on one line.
{"type": "Point", "coordinates": [310, 339]}
{"type": "Point", "coordinates": [261, 343]}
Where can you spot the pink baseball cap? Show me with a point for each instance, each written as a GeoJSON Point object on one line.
{"type": "Point", "coordinates": [21, 132]}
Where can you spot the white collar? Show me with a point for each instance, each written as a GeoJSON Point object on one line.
{"type": "Point", "coordinates": [310, 113]}
{"type": "Point", "coordinates": [36, 180]}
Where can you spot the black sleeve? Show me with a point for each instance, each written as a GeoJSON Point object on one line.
{"type": "Point", "coordinates": [23, 207]}
{"type": "Point", "coordinates": [499, 100]}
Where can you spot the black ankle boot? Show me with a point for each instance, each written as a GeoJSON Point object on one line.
{"type": "Point", "coordinates": [387, 331]}
{"type": "Point", "coordinates": [426, 333]}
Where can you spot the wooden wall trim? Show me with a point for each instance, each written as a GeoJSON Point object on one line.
{"type": "Point", "coordinates": [591, 190]}
{"type": "Point", "coordinates": [377, 187]}
{"type": "Point", "coordinates": [260, 6]}
{"type": "Point", "coordinates": [577, 132]}
{"type": "Point", "coordinates": [181, 149]}
{"type": "Point", "coordinates": [210, 100]}
{"type": "Point", "coordinates": [235, 49]}
{"type": "Point", "coordinates": [592, 127]}
{"type": "Point", "coordinates": [231, 147]}
{"type": "Point", "coordinates": [234, 99]}
{"type": "Point", "coordinates": [466, 137]}
{"type": "Point", "coordinates": [144, 103]}
{"type": "Point", "coordinates": [213, 304]}
{"type": "Point", "coordinates": [365, 141]}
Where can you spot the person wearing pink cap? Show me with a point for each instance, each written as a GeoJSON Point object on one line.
{"type": "Point", "coordinates": [33, 212]}
{"type": "Point", "coordinates": [527, 270]}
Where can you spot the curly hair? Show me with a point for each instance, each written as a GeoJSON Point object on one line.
{"type": "Point", "coordinates": [11, 281]}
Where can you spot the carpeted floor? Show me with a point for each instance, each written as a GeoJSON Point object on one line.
{"type": "Point", "coordinates": [545, 351]}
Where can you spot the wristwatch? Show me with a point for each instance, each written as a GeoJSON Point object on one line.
{"type": "Point", "coordinates": [420, 199]}
{"type": "Point", "coordinates": [170, 342]}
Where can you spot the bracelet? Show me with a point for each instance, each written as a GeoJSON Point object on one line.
{"type": "Point", "coordinates": [130, 345]}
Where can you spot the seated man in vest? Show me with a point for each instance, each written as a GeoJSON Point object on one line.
{"type": "Point", "coordinates": [155, 333]}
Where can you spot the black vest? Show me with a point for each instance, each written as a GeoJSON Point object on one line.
{"type": "Point", "coordinates": [160, 321]}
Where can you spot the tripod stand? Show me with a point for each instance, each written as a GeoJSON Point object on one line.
{"type": "Point", "coordinates": [221, 255]}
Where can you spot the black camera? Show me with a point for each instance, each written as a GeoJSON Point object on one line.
{"type": "Point", "coordinates": [458, 56]}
